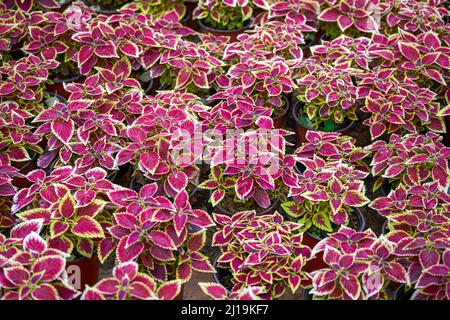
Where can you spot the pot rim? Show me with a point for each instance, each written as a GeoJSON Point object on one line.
{"type": "Point", "coordinates": [294, 114]}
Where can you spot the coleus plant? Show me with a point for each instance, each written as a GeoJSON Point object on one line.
{"type": "Point", "coordinates": [156, 140]}
{"type": "Point", "coordinates": [72, 205]}
{"type": "Point", "coordinates": [251, 165]}
{"type": "Point", "coordinates": [332, 146]}
{"type": "Point", "coordinates": [422, 58]}
{"type": "Point", "coordinates": [344, 52]}
{"type": "Point", "coordinates": [217, 291]}
{"type": "Point", "coordinates": [359, 266]}
{"type": "Point", "coordinates": [265, 80]}
{"type": "Point", "coordinates": [398, 105]}
{"type": "Point", "coordinates": [358, 16]}
{"type": "Point", "coordinates": [52, 37]}
{"type": "Point", "coordinates": [262, 251]}
{"type": "Point", "coordinates": [293, 10]}
{"type": "Point", "coordinates": [254, 88]}
{"type": "Point", "coordinates": [235, 109]}
{"type": "Point", "coordinates": [420, 225]}
{"type": "Point", "coordinates": [192, 66]}
{"type": "Point", "coordinates": [127, 283]}
{"type": "Point", "coordinates": [411, 160]}
{"type": "Point", "coordinates": [100, 41]}
{"type": "Point", "coordinates": [328, 93]}
{"type": "Point", "coordinates": [433, 282]}
{"type": "Point", "coordinates": [7, 191]}
{"type": "Point", "coordinates": [17, 140]}
{"type": "Point", "coordinates": [27, 5]}
{"type": "Point", "coordinates": [272, 40]}
{"type": "Point", "coordinates": [87, 126]}
{"type": "Point", "coordinates": [172, 10]}
{"type": "Point", "coordinates": [416, 16]}
{"type": "Point", "coordinates": [325, 194]}
{"type": "Point", "coordinates": [415, 209]}
{"type": "Point", "coordinates": [13, 27]}
{"type": "Point", "coordinates": [24, 79]}
{"type": "Point", "coordinates": [30, 269]}
{"type": "Point", "coordinates": [224, 14]}
{"type": "Point", "coordinates": [163, 236]}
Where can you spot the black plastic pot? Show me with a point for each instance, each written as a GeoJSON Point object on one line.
{"type": "Point", "coordinates": [301, 129]}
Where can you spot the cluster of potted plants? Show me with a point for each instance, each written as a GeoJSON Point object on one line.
{"type": "Point", "coordinates": [150, 134]}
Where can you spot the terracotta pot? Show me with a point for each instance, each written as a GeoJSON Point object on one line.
{"type": "Point", "coordinates": [278, 121]}
{"type": "Point", "coordinates": [83, 271]}
{"type": "Point", "coordinates": [311, 240]}
{"type": "Point", "coordinates": [203, 28]}
{"type": "Point", "coordinates": [58, 85]}
{"type": "Point", "coordinates": [301, 130]}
